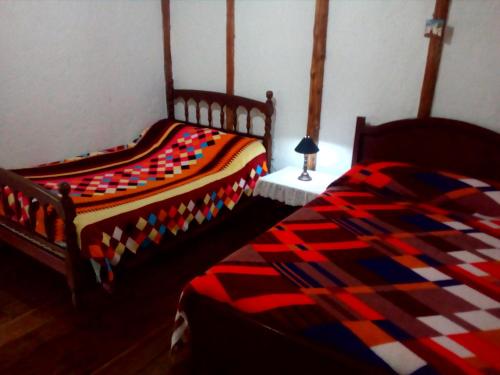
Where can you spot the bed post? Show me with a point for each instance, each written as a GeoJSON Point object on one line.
{"type": "Point", "coordinates": [73, 254]}
{"type": "Point", "coordinates": [360, 126]}
{"type": "Point", "coordinates": [267, 132]}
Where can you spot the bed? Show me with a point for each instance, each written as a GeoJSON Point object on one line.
{"type": "Point", "coordinates": [106, 205]}
{"type": "Point", "coordinates": [393, 269]}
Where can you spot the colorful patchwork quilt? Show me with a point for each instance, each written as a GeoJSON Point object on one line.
{"type": "Point", "coordinates": [393, 266]}
{"type": "Point", "coordinates": [131, 197]}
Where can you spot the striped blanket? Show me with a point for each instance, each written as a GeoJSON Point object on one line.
{"type": "Point", "coordinates": [131, 197]}
{"type": "Point", "coordinates": [393, 266]}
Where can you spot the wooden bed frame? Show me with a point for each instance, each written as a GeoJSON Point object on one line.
{"type": "Point", "coordinates": [436, 143]}
{"type": "Point", "coordinates": [70, 263]}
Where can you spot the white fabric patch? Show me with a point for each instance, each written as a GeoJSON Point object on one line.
{"type": "Point", "coordinates": [480, 319]}
{"type": "Point", "coordinates": [453, 346]}
{"type": "Point", "coordinates": [491, 253]}
{"type": "Point", "coordinates": [474, 182]}
{"type": "Point", "coordinates": [486, 238]}
{"type": "Point", "coordinates": [473, 269]}
{"type": "Point", "coordinates": [431, 274]}
{"type": "Point", "coordinates": [466, 256]}
{"type": "Point", "coordinates": [399, 357]}
{"type": "Point", "coordinates": [117, 234]}
{"type": "Point", "coordinates": [473, 296]}
{"type": "Point", "coordinates": [442, 324]}
{"type": "Point", "coordinates": [495, 195]}
{"type": "Point", "coordinates": [491, 224]}
{"type": "Point", "coordinates": [457, 225]}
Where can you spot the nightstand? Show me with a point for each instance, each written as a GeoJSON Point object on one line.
{"type": "Point", "coordinates": [284, 186]}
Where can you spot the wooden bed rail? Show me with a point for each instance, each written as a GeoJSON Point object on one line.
{"type": "Point", "coordinates": [19, 184]}
{"type": "Point", "coordinates": [24, 223]}
{"type": "Point", "coordinates": [230, 103]}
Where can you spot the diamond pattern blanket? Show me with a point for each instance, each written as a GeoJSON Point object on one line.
{"type": "Point", "coordinates": [130, 197]}
{"type": "Point", "coordinates": [393, 266]}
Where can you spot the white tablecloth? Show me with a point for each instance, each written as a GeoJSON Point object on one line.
{"type": "Point", "coordinates": [285, 186]}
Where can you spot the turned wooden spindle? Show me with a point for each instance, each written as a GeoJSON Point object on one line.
{"type": "Point", "coordinates": [49, 218]}
{"type": "Point", "coordinates": [267, 129]}
{"type": "Point", "coordinates": [17, 205]}
{"type": "Point", "coordinates": [186, 110]}
{"type": "Point", "coordinates": [234, 112]}
{"type": "Point", "coordinates": [222, 117]}
{"type": "Point", "coordinates": [198, 113]}
{"type": "Point", "coordinates": [249, 121]}
{"type": "Point", "coordinates": [34, 206]}
{"type": "Point", "coordinates": [210, 115]}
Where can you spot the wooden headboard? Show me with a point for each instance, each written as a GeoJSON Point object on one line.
{"type": "Point", "coordinates": [435, 143]}
{"type": "Point", "coordinates": [228, 106]}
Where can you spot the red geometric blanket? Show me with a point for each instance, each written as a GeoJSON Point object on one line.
{"type": "Point", "coordinates": [388, 280]}
{"type": "Point", "coordinates": [130, 198]}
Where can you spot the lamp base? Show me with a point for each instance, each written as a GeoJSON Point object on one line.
{"type": "Point", "coordinates": [304, 176]}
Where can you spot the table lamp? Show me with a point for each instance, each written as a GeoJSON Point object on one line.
{"type": "Point", "coordinates": [306, 147]}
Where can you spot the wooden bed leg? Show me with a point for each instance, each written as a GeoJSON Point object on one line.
{"type": "Point", "coordinates": [73, 276]}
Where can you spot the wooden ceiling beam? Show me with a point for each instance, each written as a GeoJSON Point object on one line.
{"type": "Point", "coordinates": [317, 70]}
{"type": "Point", "coordinates": [433, 61]}
{"type": "Point", "coordinates": [167, 58]}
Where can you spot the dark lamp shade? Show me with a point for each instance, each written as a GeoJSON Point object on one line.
{"type": "Point", "coordinates": [307, 146]}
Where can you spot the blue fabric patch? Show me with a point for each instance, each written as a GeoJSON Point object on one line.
{"type": "Point", "coordinates": [327, 274]}
{"type": "Point", "coordinates": [186, 135]}
{"type": "Point", "coordinates": [391, 270]}
{"type": "Point", "coordinates": [137, 167]}
{"type": "Point", "coordinates": [203, 145]}
{"type": "Point", "coordinates": [146, 242]}
{"type": "Point", "coordinates": [428, 260]}
{"type": "Point", "coordinates": [219, 204]}
{"type": "Point", "coordinates": [162, 229]}
{"type": "Point", "coordinates": [424, 222]}
{"type": "Point", "coordinates": [152, 219]}
{"type": "Point", "coordinates": [190, 149]}
{"type": "Point", "coordinates": [134, 178]}
{"type": "Point", "coordinates": [213, 196]}
{"type": "Point", "coordinates": [169, 157]}
{"type": "Point", "coordinates": [304, 276]}
{"type": "Point", "coordinates": [373, 224]}
{"type": "Point", "coordinates": [444, 283]}
{"type": "Point", "coordinates": [393, 330]}
{"type": "Point", "coordinates": [425, 370]}
{"type": "Point", "coordinates": [440, 182]}
{"type": "Point", "coordinates": [258, 170]}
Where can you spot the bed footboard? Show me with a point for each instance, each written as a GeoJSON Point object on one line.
{"type": "Point", "coordinates": [21, 202]}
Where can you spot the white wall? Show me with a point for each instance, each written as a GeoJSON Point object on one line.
{"type": "Point", "coordinates": [273, 44]}
{"type": "Point", "coordinates": [375, 62]}
{"type": "Point", "coordinates": [90, 74]}
{"type": "Point", "coordinates": [468, 87]}
{"type": "Point", "coordinates": [77, 76]}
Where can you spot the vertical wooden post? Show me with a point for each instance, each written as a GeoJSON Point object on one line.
{"type": "Point", "coordinates": [433, 60]}
{"type": "Point", "coordinates": [167, 58]}
{"type": "Point", "coordinates": [230, 118]}
{"type": "Point", "coordinates": [317, 70]}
